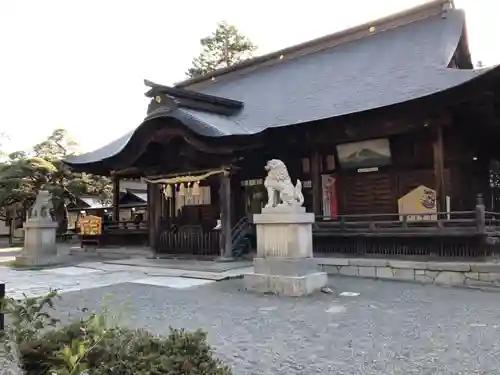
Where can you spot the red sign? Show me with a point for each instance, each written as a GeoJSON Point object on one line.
{"type": "Point", "coordinates": [330, 206]}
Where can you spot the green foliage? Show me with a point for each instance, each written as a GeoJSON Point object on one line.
{"type": "Point", "coordinates": [225, 47]}
{"type": "Point", "coordinates": [93, 344]}
{"type": "Point", "coordinates": [28, 317]}
{"type": "Point", "coordinates": [79, 347]}
{"type": "Point", "coordinates": [23, 175]}
{"type": "Point", "coordinates": [27, 321]}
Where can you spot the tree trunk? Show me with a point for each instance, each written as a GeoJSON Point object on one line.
{"type": "Point", "coordinates": [61, 216]}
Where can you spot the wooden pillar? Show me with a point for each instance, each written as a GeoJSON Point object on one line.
{"type": "Point", "coordinates": [226, 245]}
{"type": "Point", "coordinates": [316, 183]}
{"type": "Point", "coordinates": [116, 199]}
{"type": "Point", "coordinates": [480, 215]}
{"type": "Point", "coordinates": [154, 214]}
{"type": "Point", "coordinates": [151, 234]}
{"type": "Point", "coordinates": [438, 154]}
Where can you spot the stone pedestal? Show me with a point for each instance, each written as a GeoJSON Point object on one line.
{"type": "Point", "coordinates": [284, 263]}
{"type": "Point", "coordinates": [40, 247]}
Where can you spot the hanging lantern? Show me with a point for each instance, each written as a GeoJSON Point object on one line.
{"type": "Point", "coordinates": [196, 189]}
{"type": "Point", "coordinates": [168, 191]}
{"type": "Point", "coordinates": [182, 191]}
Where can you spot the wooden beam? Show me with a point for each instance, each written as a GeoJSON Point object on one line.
{"type": "Point", "coordinates": [226, 245]}
{"type": "Point", "coordinates": [154, 215]}
{"type": "Point", "coordinates": [151, 232]}
{"type": "Point", "coordinates": [116, 199]}
{"type": "Point", "coordinates": [438, 155]}
{"type": "Point", "coordinates": [316, 182]}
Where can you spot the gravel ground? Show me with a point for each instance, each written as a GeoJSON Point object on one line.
{"type": "Point", "coordinates": [390, 328]}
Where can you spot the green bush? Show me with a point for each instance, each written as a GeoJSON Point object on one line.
{"type": "Point", "coordinates": [92, 345]}
{"type": "Point", "coordinates": [125, 352]}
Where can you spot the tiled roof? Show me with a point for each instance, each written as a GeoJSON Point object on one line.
{"type": "Point", "coordinates": [390, 67]}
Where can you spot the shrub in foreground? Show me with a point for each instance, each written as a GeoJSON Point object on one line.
{"type": "Point", "coordinates": [93, 346]}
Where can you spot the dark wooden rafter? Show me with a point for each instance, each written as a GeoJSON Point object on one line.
{"type": "Point", "coordinates": [166, 134]}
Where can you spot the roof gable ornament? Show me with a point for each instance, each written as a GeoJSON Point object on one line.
{"type": "Point", "coordinates": [162, 103]}
{"type": "Point", "coordinates": [171, 98]}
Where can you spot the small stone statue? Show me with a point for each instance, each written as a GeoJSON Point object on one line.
{"type": "Point", "coordinates": [41, 209]}
{"type": "Point", "coordinates": [280, 190]}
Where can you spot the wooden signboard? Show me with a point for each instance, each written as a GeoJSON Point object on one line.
{"type": "Point", "coordinates": [91, 226]}
{"type": "Point", "coordinates": [419, 204]}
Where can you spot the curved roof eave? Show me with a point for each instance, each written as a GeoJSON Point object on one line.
{"type": "Point", "coordinates": [203, 128]}
{"type": "Point", "coordinates": [114, 148]}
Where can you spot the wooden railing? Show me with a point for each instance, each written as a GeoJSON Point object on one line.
{"type": "Point", "coordinates": [122, 233]}
{"type": "Point", "coordinates": [456, 234]}
{"type": "Point", "coordinates": [459, 223]}
{"type": "Point", "coordinates": [492, 221]}
{"type": "Point", "coordinates": [125, 226]}
{"type": "Point", "coordinates": [201, 241]}
{"type": "Point", "coordinates": [189, 240]}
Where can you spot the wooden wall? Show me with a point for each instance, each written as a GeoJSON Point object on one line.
{"type": "Point", "coordinates": [412, 165]}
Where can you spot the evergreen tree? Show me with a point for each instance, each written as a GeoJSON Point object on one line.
{"type": "Point", "coordinates": [225, 47]}
{"type": "Point", "coordinates": [23, 175]}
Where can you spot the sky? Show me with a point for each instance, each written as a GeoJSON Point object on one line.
{"type": "Point", "coordinates": [80, 65]}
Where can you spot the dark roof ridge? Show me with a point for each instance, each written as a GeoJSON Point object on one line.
{"type": "Point", "coordinates": [402, 18]}
{"type": "Point", "coordinates": [169, 98]}
{"type": "Point", "coordinates": [177, 92]}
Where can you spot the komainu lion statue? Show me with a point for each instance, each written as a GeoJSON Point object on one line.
{"type": "Point", "coordinates": [42, 206]}
{"type": "Point", "coordinates": [280, 190]}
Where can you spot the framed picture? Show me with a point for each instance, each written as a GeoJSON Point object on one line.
{"type": "Point", "coordinates": [365, 154]}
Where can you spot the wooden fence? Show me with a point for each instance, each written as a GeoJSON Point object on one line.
{"type": "Point", "coordinates": [456, 234]}
{"type": "Point", "coordinates": [189, 240]}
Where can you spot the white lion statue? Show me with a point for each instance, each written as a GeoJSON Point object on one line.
{"type": "Point", "coordinates": [42, 206]}
{"type": "Point", "coordinates": [280, 190]}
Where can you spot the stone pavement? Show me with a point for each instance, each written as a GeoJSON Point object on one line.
{"type": "Point", "coordinates": [98, 274]}
{"type": "Point", "coordinates": [379, 328]}
{"type": "Point", "coordinates": [90, 269]}
{"type": "Point", "coordinates": [8, 254]}
{"type": "Point", "coordinates": [184, 264]}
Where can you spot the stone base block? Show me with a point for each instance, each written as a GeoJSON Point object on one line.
{"type": "Point", "coordinates": [293, 286]}
{"type": "Point", "coordinates": [26, 261]}
{"type": "Point", "coordinates": [286, 266]}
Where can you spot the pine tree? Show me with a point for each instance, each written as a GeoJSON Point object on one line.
{"type": "Point", "coordinates": [225, 47]}
{"type": "Point", "coordinates": [23, 175]}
